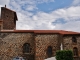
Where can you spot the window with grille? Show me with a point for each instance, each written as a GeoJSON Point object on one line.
{"type": "Point", "coordinates": [26, 48]}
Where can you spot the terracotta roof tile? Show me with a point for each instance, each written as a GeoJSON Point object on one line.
{"type": "Point", "coordinates": [68, 32]}
{"type": "Point", "coordinates": [43, 31]}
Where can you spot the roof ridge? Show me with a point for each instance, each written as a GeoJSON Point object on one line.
{"type": "Point", "coordinates": [43, 31]}
{"type": "Point", "coordinates": [9, 9]}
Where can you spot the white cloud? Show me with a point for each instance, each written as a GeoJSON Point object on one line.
{"type": "Point", "coordinates": [38, 21]}
{"type": "Point", "coordinates": [24, 21]}
{"type": "Point", "coordinates": [70, 26]}
{"type": "Point", "coordinates": [15, 6]}
{"type": "Point", "coordinates": [34, 1]}
{"type": "Point", "coordinates": [4, 2]}
{"type": "Point", "coordinates": [43, 20]}
{"type": "Point", "coordinates": [42, 1]}
{"type": "Point", "coordinates": [71, 15]}
{"type": "Point", "coordinates": [67, 13]}
{"type": "Point", "coordinates": [0, 10]}
{"type": "Point", "coordinates": [27, 4]}
{"type": "Point", "coordinates": [31, 8]}
{"type": "Point", "coordinates": [76, 2]}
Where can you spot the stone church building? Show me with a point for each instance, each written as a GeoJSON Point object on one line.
{"type": "Point", "coordinates": [33, 44]}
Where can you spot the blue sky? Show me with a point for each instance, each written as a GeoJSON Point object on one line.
{"type": "Point", "coordinates": [57, 4]}
{"type": "Point", "coordinates": [46, 14]}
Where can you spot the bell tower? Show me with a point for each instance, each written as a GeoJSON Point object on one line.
{"type": "Point", "coordinates": [9, 18]}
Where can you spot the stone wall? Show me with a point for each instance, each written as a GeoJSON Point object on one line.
{"type": "Point", "coordinates": [8, 19]}
{"type": "Point", "coordinates": [11, 44]}
{"type": "Point", "coordinates": [78, 45]}
{"type": "Point", "coordinates": [1, 24]}
{"type": "Point", "coordinates": [42, 42]}
{"type": "Point", "coordinates": [67, 42]}
{"type": "Point", "coordinates": [69, 45]}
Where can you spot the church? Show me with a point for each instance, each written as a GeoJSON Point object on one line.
{"type": "Point", "coordinates": [33, 44]}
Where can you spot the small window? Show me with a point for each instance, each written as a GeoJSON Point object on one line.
{"type": "Point", "coordinates": [49, 51]}
{"type": "Point", "coordinates": [74, 40]}
{"type": "Point", "coordinates": [75, 51]}
{"type": "Point", "coordinates": [26, 48]}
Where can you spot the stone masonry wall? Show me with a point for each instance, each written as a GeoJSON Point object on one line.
{"type": "Point", "coordinates": [11, 44]}
{"type": "Point", "coordinates": [67, 42]}
{"type": "Point", "coordinates": [68, 45]}
{"type": "Point", "coordinates": [8, 19]}
{"type": "Point", "coordinates": [78, 45]}
{"type": "Point", "coordinates": [42, 42]}
{"type": "Point", "coordinates": [1, 23]}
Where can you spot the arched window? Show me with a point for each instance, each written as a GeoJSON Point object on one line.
{"type": "Point", "coordinates": [49, 51]}
{"type": "Point", "coordinates": [75, 51]}
{"type": "Point", "coordinates": [74, 40]}
{"type": "Point", "coordinates": [26, 48]}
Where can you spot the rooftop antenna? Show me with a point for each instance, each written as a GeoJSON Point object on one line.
{"type": "Point", "coordinates": [5, 6]}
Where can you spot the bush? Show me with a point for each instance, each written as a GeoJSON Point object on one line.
{"type": "Point", "coordinates": [64, 55]}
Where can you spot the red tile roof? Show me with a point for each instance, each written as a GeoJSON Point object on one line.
{"type": "Point", "coordinates": [68, 32]}
{"type": "Point", "coordinates": [43, 31]}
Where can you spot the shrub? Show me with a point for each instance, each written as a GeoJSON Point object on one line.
{"type": "Point", "coordinates": [64, 55]}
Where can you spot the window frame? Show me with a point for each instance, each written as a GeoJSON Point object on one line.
{"type": "Point", "coordinates": [26, 48]}
{"type": "Point", "coordinates": [49, 51]}
{"type": "Point", "coordinates": [74, 40]}
{"type": "Point", "coordinates": [75, 51]}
